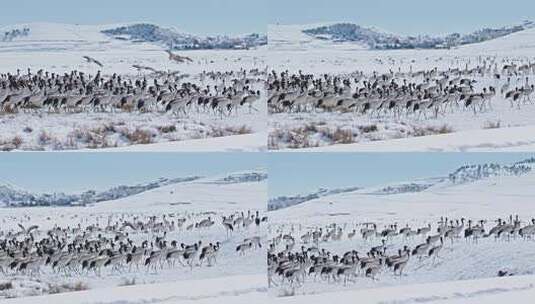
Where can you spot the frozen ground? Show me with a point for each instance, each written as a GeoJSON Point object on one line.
{"type": "Point", "coordinates": [461, 259]}
{"type": "Point", "coordinates": [193, 201]}
{"type": "Point", "coordinates": [59, 48]}
{"type": "Point", "coordinates": [247, 289]}
{"type": "Point", "coordinates": [230, 288]}
{"type": "Point", "coordinates": [73, 131]}
{"type": "Point", "coordinates": [255, 142]}
{"type": "Point", "coordinates": [294, 51]}
{"type": "Point", "coordinates": [513, 139]}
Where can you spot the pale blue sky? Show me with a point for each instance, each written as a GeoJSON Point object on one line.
{"type": "Point", "coordinates": [75, 172]}
{"type": "Point", "coordinates": [245, 16]}
{"type": "Point", "coordinates": [297, 173]}
{"type": "Point", "coordinates": [194, 16]}
{"type": "Point", "coordinates": [405, 17]}
{"type": "Point", "coordinates": [289, 173]}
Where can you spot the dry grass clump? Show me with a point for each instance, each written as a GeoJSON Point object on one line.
{"type": "Point", "coordinates": [229, 130]}
{"type": "Point", "coordinates": [68, 287]}
{"type": "Point", "coordinates": [138, 136]}
{"type": "Point", "coordinates": [44, 138]}
{"type": "Point", "coordinates": [338, 136]}
{"type": "Point", "coordinates": [294, 139]}
{"type": "Point", "coordinates": [17, 141]}
{"type": "Point", "coordinates": [431, 130]}
{"type": "Point", "coordinates": [92, 139]}
{"type": "Point", "coordinates": [12, 144]}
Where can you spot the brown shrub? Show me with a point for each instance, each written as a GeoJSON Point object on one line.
{"type": "Point", "coordinates": [339, 136]}
{"type": "Point", "coordinates": [44, 138]}
{"type": "Point", "coordinates": [17, 141]}
{"type": "Point", "coordinates": [67, 287]}
{"type": "Point", "coordinates": [139, 136]}
{"type": "Point", "coordinates": [431, 130]}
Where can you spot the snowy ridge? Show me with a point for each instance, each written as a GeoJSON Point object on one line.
{"type": "Point", "coordinates": [470, 173]}
{"type": "Point", "coordinates": [288, 201]}
{"type": "Point", "coordinates": [10, 197]}
{"type": "Point", "coordinates": [242, 177]}
{"type": "Point", "coordinates": [375, 39]}
{"type": "Point", "coordinates": [170, 38]}
{"type": "Point", "coordinates": [413, 186]}
{"type": "Point", "coordinates": [462, 175]}
{"type": "Point", "coordinates": [57, 36]}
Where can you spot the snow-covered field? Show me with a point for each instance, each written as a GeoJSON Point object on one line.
{"type": "Point", "coordinates": [338, 223]}
{"type": "Point", "coordinates": [163, 218]}
{"type": "Point", "coordinates": [315, 129]}
{"type": "Point", "coordinates": [59, 48]}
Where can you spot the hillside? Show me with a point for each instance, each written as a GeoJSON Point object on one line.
{"type": "Point", "coordinates": [354, 35]}
{"type": "Point", "coordinates": [467, 174]}
{"type": "Point", "coordinates": [76, 36]}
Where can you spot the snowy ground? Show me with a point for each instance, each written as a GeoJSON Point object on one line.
{"type": "Point", "coordinates": [195, 200]}
{"type": "Point", "coordinates": [520, 289]}
{"type": "Point", "coordinates": [513, 139]}
{"type": "Point", "coordinates": [486, 199]}
{"type": "Point", "coordinates": [294, 51]}
{"type": "Point", "coordinates": [48, 131]}
{"type": "Point", "coordinates": [59, 48]}
{"type": "Point", "coordinates": [255, 142]}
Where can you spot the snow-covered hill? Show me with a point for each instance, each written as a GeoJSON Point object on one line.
{"type": "Point", "coordinates": [191, 201]}
{"type": "Point", "coordinates": [172, 39]}
{"type": "Point", "coordinates": [134, 33]}
{"type": "Point", "coordinates": [374, 39]}
{"type": "Point", "coordinates": [10, 197]}
{"type": "Point", "coordinates": [486, 199]}
{"type": "Point", "coordinates": [287, 201]}
{"type": "Point", "coordinates": [242, 177]}
{"type": "Point", "coordinates": [59, 47]}
{"type": "Point", "coordinates": [462, 175]}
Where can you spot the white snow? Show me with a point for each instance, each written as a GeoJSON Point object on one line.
{"type": "Point", "coordinates": [314, 131]}
{"type": "Point", "coordinates": [195, 200]}
{"type": "Point", "coordinates": [59, 48]}
{"type": "Point", "coordinates": [485, 199]}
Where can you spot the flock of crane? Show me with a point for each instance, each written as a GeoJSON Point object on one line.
{"type": "Point", "coordinates": [427, 92]}
{"type": "Point", "coordinates": [297, 254]}
{"type": "Point", "coordinates": [218, 93]}
{"type": "Point", "coordinates": [102, 245]}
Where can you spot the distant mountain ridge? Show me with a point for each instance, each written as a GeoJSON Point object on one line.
{"type": "Point", "coordinates": [172, 39]}
{"type": "Point", "coordinates": [378, 40]}
{"type": "Point", "coordinates": [471, 173]}
{"type": "Point", "coordinates": [10, 197]}
{"type": "Point", "coordinates": [288, 201]}
{"type": "Point", "coordinates": [242, 177]}
{"type": "Point", "coordinates": [135, 33]}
